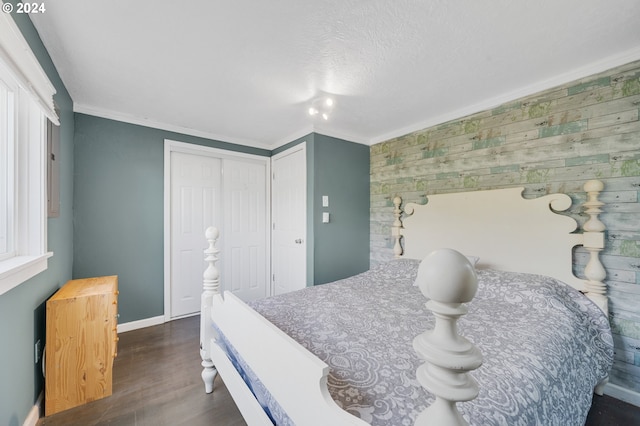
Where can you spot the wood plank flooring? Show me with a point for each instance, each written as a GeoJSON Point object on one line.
{"type": "Point", "coordinates": [156, 382]}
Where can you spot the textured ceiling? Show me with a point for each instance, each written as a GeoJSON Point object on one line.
{"type": "Point", "coordinates": [248, 71]}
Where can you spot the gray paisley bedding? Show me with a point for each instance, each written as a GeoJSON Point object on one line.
{"type": "Point", "coordinates": [545, 345]}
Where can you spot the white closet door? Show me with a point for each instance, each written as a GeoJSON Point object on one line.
{"type": "Point", "coordinates": [195, 204]}
{"type": "Point", "coordinates": [245, 259]}
{"type": "Point", "coordinates": [289, 210]}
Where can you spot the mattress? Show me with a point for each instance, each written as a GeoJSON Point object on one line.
{"type": "Point", "coordinates": [545, 346]}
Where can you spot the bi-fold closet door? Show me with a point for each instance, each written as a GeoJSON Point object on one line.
{"type": "Point", "coordinates": [204, 187]}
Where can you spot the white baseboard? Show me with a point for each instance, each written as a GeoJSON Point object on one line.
{"type": "Point", "coordinates": [623, 394]}
{"type": "Point", "coordinates": [134, 325]}
{"type": "Point", "coordinates": [34, 414]}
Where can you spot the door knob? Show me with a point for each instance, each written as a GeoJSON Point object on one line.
{"type": "Point", "coordinates": [298, 241]}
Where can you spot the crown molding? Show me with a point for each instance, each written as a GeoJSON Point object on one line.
{"type": "Point", "coordinates": [338, 134]}
{"type": "Point", "coordinates": [293, 136]}
{"type": "Point", "coordinates": [591, 69]}
{"type": "Point", "coordinates": [126, 118]}
{"type": "Point", "coordinates": [559, 80]}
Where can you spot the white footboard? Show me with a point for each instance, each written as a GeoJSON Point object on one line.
{"type": "Point", "coordinates": [297, 379]}
{"type": "Point", "coordinates": [294, 376]}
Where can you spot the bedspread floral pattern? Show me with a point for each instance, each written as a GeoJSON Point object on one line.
{"type": "Point", "coordinates": [545, 345]}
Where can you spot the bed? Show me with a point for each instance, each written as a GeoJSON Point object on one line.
{"type": "Point", "coordinates": [529, 349]}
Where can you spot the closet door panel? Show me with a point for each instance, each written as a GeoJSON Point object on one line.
{"type": "Point", "coordinates": [196, 203]}
{"type": "Point", "coordinates": [246, 216]}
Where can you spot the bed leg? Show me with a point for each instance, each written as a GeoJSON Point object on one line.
{"type": "Point", "coordinates": [210, 288]}
{"type": "Point", "coordinates": [599, 389]}
{"type": "Point", "coordinates": [448, 279]}
{"type": "Point", "coordinates": [209, 371]}
{"type": "Point", "coordinates": [209, 374]}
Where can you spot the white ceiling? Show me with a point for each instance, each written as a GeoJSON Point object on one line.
{"type": "Point", "coordinates": [247, 71]}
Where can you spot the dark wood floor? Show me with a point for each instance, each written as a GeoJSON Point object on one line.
{"type": "Point", "coordinates": [156, 382]}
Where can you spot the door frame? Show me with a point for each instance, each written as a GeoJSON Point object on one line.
{"type": "Point", "coordinates": [308, 244]}
{"type": "Point", "coordinates": [201, 150]}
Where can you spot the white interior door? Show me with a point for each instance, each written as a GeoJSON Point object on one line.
{"type": "Point", "coordinates": [246, 265]}
{"type": "Point", "coordinates": [212, 187]}
{"type": "Point", "coordinates": [195, 204]}
{"type": "Point", "coordinates": [289, 215]}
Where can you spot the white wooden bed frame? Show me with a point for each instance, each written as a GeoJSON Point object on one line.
{"type": "Point", "coordinates": [500, 227]}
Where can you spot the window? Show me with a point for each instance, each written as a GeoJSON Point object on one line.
{"type": "Point", "coordinates": [26, 100]}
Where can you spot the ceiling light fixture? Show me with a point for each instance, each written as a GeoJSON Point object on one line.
{"type": "Point", "coordinates": [321, 107]}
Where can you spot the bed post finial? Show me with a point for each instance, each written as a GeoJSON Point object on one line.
{"type": "Point", "coordinates": [210, 288]}
{"type": "Point", "coordinates": [593, 242]}
{"type": "Point", "coordinates": [448, 279]}
{"type": "Point", "coordinates": [397, 225]}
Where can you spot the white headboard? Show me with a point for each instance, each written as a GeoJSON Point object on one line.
{"type": "Point", "coordinates": [506, 232]}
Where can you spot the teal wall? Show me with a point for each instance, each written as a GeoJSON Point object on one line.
{"type": "Point", "coordinates": [119, 216]}
{"type": "Point", "coordinates": [116, 227]}
{"type": "Point", "coordinates": [339, 169]}
{"type": "Point", "coordinates": [22, 309]}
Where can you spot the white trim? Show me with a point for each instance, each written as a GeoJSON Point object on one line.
{"type": "Point", "coordinates": [340, 135]}
{"type": "Point", "coordinates": [297, 147]}
{"type": "Point", "coordinates": [303, 132]}
{"type": "Point", "coordinates": [19, 269]}
{"type": "Point", "coordinates": [15, 50]}
{"type": "Point", "coordinates": [127, 118]}
{"type": "Point", "coordinates": [302, 146]}
{"type": "Point", "coordinates": [34, 414]}
{"type": "Point", "coordinates": [559, 80]}
{"type": "Point", "coordinates": [189, 148]}
{"type": "Point", "coordinates": [623, 394]}
{"type": "Point", "coordinates": [577, 74]}
{"type": "Point", "coordinates": [143, 323]}
{"type": "Point", "coordinates": [27, 167]}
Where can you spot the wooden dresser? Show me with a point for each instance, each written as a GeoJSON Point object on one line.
{"type": "Point", "coordinates": [81, 342]}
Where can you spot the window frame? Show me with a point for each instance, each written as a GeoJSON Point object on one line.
{"type": "Point", "coordinates": [26, 173]}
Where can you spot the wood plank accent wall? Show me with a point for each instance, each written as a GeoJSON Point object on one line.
{"type": "Point", "coordinates": [552, 141]}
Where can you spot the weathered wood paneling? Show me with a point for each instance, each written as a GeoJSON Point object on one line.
{"type": "Point", "coordinates": [552, 141]}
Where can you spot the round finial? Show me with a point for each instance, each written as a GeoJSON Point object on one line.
{"type": "Point", "coordinates": [397, 200]}
{"type": "Point", "coordinates": [593, 186]}
{"type": "Point", "coordinates": [212, 233]}
{"type": "Point", "coordinates": [447, 276]}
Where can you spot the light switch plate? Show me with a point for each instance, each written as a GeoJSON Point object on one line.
{"type": "Point", "coordinates": [325, 201]}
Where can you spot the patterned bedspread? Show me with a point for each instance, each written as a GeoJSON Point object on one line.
{"type": "Point", "coordinates": [545, 345]}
